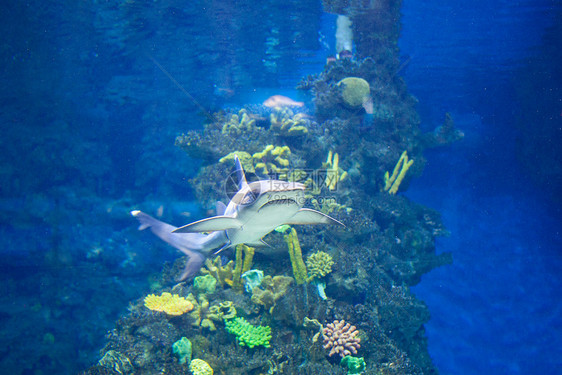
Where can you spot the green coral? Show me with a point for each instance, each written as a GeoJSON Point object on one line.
{"type": "Point", "coordinates": [204, 284]}
{"type": "Point", "coordinates": [247, 334]}
{"type": "Point", "coordinates": [182, 348]}
{"type": "Point", "coordinates": [285, 122]}
{"type": "Point", "coordinates": [252, 279]}
{"type": "Point", "coordinates": [354, 365]}
{"type": "Point", "coordinates": [319, 265]}
{"type": "Point", "coordinates": [239, 123]}
{"type": "Point", "coordinates": [355, 91]}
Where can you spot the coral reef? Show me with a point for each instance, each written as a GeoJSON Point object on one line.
{"type": "Point", "coordinates": [366, 269]}
{"type": "Point", "coordinates": [341, 338]}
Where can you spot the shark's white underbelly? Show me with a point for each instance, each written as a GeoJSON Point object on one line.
{"type": "Point", "coordinates": [261, 223]}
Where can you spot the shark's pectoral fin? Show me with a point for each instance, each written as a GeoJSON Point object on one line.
{"type": "Point", "coordinates": [259, 243]}
{"type": "Point", "coordinates": [308, 216]}
{"type": "Point", "coordinates": [211, 224]}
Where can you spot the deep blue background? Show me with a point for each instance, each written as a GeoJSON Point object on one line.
{"type": "Point", "coordinates": [497, 309]}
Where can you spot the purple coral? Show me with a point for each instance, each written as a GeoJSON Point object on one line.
{"type": "Point", "coordinates": [341, 338]}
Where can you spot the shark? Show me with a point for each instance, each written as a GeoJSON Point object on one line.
{"type": "Point", "coordinates": [255, 209]}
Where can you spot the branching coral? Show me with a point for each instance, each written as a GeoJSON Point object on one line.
{"type": "Point", "coordinates": [245, 158]}
{"type": "Point", "coordinates": [341, 338]}
{"type": "Point", "coordinates": [295, 253]}
{"type": "Point", "coordinates": [272, 159]}
{"type": "Point", "coordinates": [244, 257]}
{"type": "Point", "coordinates": [238, 123]}
{"type": "Point", "coordinates": [171, 304]}
{"type": "Point", "coordinates": [319, 265]}
{"type": "Point", "coordinates": [272, 288]}
{"type": "Point", "coordinates": [223, 274]}
{"type": "Point", "coordinates": [285, 122]}
{"type": "Point", "coordinates": [334, 174]}
{"type": "Point", "coordinates": [392, 183]}
{"type": "Point", "coordinates": [205, 315]}
{"type": "Point", "coordinates": [247, 334]}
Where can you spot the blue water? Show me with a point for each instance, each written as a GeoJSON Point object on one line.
{"type": "Point", "coordinates": [495, 310]}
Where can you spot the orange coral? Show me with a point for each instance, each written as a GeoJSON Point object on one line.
{"type": "Point", "coordinates": [171, 304]}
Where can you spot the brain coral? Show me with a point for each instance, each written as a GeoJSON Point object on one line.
{"type": "Point", "coordinates": [200, 367]}
{"type": "Point", "coordinates": [355, 91]}
{"type": "Point", "coordinates": [171, 304]}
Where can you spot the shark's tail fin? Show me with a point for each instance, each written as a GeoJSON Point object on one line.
{"type": "Point", "coordinates": [146, 221]}
{"type": "Point", "coordinates": [194, 245]}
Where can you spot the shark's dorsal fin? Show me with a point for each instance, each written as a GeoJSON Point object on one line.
{"type": "Point", "coordinates": [308, 216]}
{"type": "Point", "coordinates": [210, 224]}
{"type": "Point", "coordinates": [242, 183]}
{"type": "Point", "coordinates": [221, 208]}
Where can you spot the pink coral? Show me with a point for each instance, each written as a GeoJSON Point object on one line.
{"type": "Point", "coordinates": [341, 338]}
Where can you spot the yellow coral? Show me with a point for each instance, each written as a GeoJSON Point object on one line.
{"type": "Point", "coordinates": [171, 304]}
{"type": "Point", "coordinates": [223, 274]}
{"type": "Point", "coordinates": [270, 290]}
{"type": "Point", "coordinates": [238, 123]}
{"type": "Point", "coordinates": [392, 183]}
{"type": "Point", "coordinates": [244, 257]}
{"type": "Point", "coordinates": [284, 121]}
{"type": "Point", "coordinates": [272, 159]}
{"type": "Point", "coordinates": [200, 367]}
{"type": "Point", "coordinates": [319, 265]}
{"type": "Point", "coordinates": [295, 254]}
{"type": "Point", "coordinates": [245, 159]}
{"type": "Point", "coordinates": [334, 173]}
{"type": "Point", "coordinates": [355, 91]}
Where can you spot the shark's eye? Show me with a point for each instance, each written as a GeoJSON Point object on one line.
{"type": "Point", "coordinates": [250, 196]}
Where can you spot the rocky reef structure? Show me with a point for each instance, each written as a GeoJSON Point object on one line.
{"type": "Point", "coordinates": [365, 270]}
